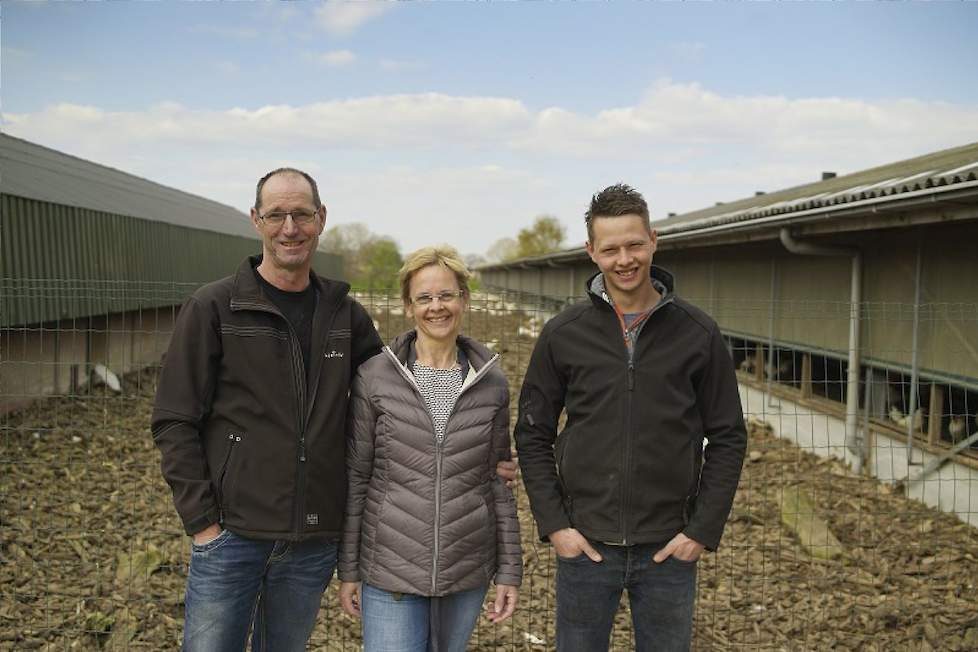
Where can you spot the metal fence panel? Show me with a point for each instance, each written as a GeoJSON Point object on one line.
{"type": "Point", "coordinates": [92, 555]}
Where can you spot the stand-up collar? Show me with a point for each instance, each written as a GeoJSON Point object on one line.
{"type": "Point", "coordinates": [662, 280]}
{"type": "Point", "coordinates": [246, 288]}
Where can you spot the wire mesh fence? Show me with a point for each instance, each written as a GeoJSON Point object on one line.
{"type": "Point", "coordinates": [838, 539]}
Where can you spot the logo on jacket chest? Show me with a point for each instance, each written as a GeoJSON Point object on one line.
{"type": "Point", "coordinates": [333, 354]}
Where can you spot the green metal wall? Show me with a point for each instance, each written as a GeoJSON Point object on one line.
{"type": "Point", "coordinates": [811, 295]}
{"type": "Point", "coordinates": [63, 262]}
{"type": "Point", "coordinates": [810, 299]}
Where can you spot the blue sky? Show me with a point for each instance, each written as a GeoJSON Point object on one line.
{"type": "Point", "coordinates": [460, 122]}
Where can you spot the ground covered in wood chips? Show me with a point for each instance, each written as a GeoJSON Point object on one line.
{"type": "Point", "coordinates": [92, 556]}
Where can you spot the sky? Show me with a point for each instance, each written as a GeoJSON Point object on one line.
{"type": "Point", "coordinates": [461, 122]}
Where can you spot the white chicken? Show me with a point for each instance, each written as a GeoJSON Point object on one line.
{"type": "Point", "coordinates": [956, 428]}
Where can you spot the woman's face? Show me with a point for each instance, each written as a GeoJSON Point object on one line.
{"type": "Point", "coordinates": [435, 304]}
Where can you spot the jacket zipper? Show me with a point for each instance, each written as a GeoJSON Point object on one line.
{"type": "Point", "coordinates": [627, 452]}
{"type": "Point", "coordinates": [439, 442]}
{"type": "Point", "coordinates": [299, 384]}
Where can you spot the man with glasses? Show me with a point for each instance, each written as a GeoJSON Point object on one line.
{"type": "Point", "coordinates": [250, 419]}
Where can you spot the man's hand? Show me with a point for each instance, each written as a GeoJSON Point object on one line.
{"type": "Point", "coordinates": [505, 603]}
{"type": "Point", "coordinates": [350, 598]}
{"type": "Point", "coordinates": [681, 547]}
{"type": "Point", "coordinates": [506, 469]}
{"type": "Point", "coordinates": [207, 535]}
{"type": "Point", "coordinates": [569, 543]}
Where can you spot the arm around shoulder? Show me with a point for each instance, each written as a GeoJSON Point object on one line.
{"type": "Point", "coordinates": [365, 340]}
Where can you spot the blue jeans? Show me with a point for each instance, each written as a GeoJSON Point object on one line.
{"type": "Point", "coordinates": [661, 597]}
{"type": "Point", "coordinates": [401, 622]}
{"type": "Point", "coordinates": [272, 588]}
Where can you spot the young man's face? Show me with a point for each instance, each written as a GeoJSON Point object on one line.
{"type": "Point", "coordinates": [622, 248]}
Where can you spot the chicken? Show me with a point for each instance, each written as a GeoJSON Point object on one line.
{"type": "Point", "coordinates": [904, 421]}
{"type": "Point", "coordinates": [957, 429]}
{"type": "Point", "coordinates": [896, 415]}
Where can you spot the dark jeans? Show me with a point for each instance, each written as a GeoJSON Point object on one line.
{"type": "Point", "coordinates": [661, 597]}
{"type": "Point", "coordinates": [272, 587]}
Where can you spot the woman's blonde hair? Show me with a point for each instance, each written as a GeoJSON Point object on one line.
{"type": "Point", "coordinates": [444, 255]}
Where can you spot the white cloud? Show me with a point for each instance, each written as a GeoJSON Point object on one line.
{"type": "Point", "coordinates": [334, 58]}
{"type": "Point", "coordinates": [342, 18]}
{"type": "Point", "coordinates": [469, 170]}
{"type": "Point", "coordinates": [382, 121]}
{"type": "Point", "coordinates": [689, 116]}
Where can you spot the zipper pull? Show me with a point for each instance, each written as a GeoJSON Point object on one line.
{"type": "Point", "coordinates": [302, 450]}
{"type": "Point", "coordinates": [631, 376]}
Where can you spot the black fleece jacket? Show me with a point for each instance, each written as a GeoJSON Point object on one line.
{"type": "Point", "coordinates": [246, 441]}
{"type": "Point", "coordinates": [630, 467]}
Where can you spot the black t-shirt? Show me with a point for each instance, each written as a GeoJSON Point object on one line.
{"type": "Point", "coordinates": [298, 308]}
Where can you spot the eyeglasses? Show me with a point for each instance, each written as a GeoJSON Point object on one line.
{"type": "Point", "coordinates": [445, 297]}
{"type": "Point", "coordinates": [277, 218]}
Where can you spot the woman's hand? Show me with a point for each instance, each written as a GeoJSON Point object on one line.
{"type": "Point", "coordinates": [506, 469]}
{"type": "Point", "coordinates": [350, 598]}
{"type": "Point", "coordinates": [505, 603]}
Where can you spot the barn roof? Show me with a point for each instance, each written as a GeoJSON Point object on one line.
{"type": "Point", "coordinates": [936, 170]}
{"type": "Point", "coordinates": [36, 172]}
{"type": "Point", "coordinates": [927, 179]}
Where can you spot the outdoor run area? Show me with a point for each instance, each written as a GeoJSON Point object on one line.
{"type": "Point", "coordinates": [815, 555]}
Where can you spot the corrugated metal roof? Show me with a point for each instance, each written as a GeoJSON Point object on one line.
{"type": "Point", "coordinates": [935, 170]}
{"type": "Point", "coordinates": [36, 172]}
{"type": "Point", "coordinates": [939, 170]}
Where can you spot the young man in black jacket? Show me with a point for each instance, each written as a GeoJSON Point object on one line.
{"type": "Point", "coordinates": [250, 418]}
{"type": "Point", "coordinates": [628, 494]}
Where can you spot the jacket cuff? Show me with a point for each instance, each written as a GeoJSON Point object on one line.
{"type": "Point", "coordinates": [552, 525]}
{"type": "Point", "coordinates": [710, 541]}
{"type": "Point", "coordinates": [202, 522]}
{"type": "Point", "coordinates": [348, 575]}
{"type": "Point", "coordinates": [509, 579]}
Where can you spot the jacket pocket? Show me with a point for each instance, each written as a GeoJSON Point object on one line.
{"type": "Point", "coordinates": [562, 453]}
{"type": "Point", "coordinates": [225, 482]}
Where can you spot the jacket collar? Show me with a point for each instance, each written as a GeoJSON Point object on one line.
{"type": "Point", "coordinates": [246, 291]}
{"type": "Point", "coordinates": [475, 352]}
{"type": "Point", "coordinates": [662, 279]}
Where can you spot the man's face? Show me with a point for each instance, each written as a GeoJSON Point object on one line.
{"type": "Point", "coordinates": [622, 248]}
{"type": "Point", "coordinates": [288, 246]}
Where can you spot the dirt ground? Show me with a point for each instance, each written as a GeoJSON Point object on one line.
{"type": "Point", "coordinates": [92, 556]}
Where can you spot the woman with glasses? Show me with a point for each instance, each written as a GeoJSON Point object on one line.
{"type": "Point", "coordinates": [429, 524]}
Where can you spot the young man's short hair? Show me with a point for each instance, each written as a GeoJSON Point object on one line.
{"type": "Point", "coordinates": [615, 201]}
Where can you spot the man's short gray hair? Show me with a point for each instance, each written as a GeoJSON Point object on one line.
{"type": "Point", "coordinates": [312, 184]}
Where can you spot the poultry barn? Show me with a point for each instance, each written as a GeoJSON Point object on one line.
{"type": "Point", "coordinates": [848, 306]}
{"type": "Point", "coordinates": [849, 301]}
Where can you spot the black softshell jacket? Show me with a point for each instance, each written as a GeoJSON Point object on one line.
{"type": "Point", "coordinates": [244, 441]}
{"type": "Point", "coordinates": [629, 467]}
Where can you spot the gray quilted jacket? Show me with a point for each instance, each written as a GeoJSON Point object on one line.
{"type": "Point", "coordinates": [426, 517]}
